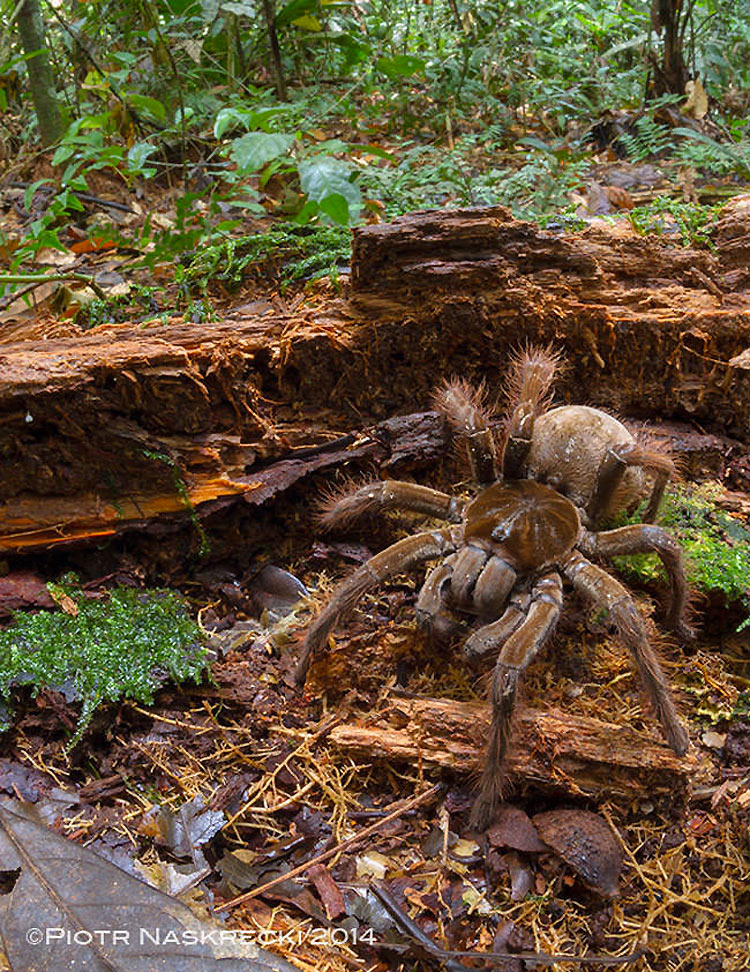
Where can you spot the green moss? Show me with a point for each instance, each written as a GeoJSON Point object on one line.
{"type": "Point", "coordinates": [292, 252]}
{"type": "Point", "coordinates": [124, 647]}
{"type": "Point", "coordinates": [716, 545]}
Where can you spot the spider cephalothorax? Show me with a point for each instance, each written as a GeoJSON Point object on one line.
{"type": "Point", "coordinates": [506, 552]}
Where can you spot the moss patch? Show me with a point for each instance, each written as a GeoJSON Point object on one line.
{"type": "Point", "coordinates": [124, 647]}
{"type": "Point", "coordinates": [716, 545]}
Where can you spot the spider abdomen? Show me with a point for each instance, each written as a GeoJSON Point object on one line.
{"type": "Point", "coordinates": [567, 449]}
{"type": "Point", "coordinates": [528, 523]}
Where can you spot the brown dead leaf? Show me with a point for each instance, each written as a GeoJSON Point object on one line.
{"type": "Point", "coordinates": [513, 828]}
{"type": "Point", "coordinates": [697, 100]}
{"type": "Point", "coordinates": [23, 589]}
{"type": "Point", "coordinates": [585, 842]}
{"type": "Point", "coordinates": [328, 891]}
{"type": "Point", "coordinates": [64, 602]}
{"type": "Point", "coordinates": [62, 902]}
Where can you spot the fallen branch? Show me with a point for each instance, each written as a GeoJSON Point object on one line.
{"type": "Point", "coordinates": [553, 749]}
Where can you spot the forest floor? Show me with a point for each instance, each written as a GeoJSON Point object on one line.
{"type": "Point", "coordinates": [250, 768]}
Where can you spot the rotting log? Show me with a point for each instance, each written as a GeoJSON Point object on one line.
{"type": "Point", "coordinates": [104, 430]}
{"type": "Point", "coordinates": [552, 750]}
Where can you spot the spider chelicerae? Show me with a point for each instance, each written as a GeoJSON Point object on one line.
{"type": "Point", "coordinates": [502, 558]}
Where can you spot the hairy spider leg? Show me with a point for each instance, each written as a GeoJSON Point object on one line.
{"type": "Point", "coordinates": [342, 508]}
{"type": "Point", "coordinates": [465, 407]}
{"type": "Point", "coordinates": [647, 538]}
{"type": "Point", "coordinates": [432, 601]}
{"type": "Point", "coordinates": [600, 587]}
{"type": "Point", "coordinates": [518, 651]}
{"type": "Point", "coordinates": [397, 558]}
{"type": "Point", "coordinates": [488, 637]}
{"type": "Point", "coordinates": [529, 382]}
{"type": "Point", "coordinates": [612, 468]}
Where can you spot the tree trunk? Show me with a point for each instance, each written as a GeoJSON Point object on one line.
{"type": "Point", "coordinates": [670, 74]}
{"type": "Point", "coordinates": [41, 77]}
{"type": "Point", "coordinates": [273, 44]}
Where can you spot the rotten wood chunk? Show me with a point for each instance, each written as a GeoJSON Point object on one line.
{"type": "Point", "coordinates": [552, 750]}
{"type": "Point", "coordinates": [124, 424]}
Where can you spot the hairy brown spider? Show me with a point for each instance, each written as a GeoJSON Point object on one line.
{"type": "Point", "coordinates": [505, 554]}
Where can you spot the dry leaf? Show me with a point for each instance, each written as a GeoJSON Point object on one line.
{"type": "Point", "coordinates": [585, 842]}
{"type": "Point", "coordinates": [62, 905]}
{"type": "Point", "coordinates": [697, 100]}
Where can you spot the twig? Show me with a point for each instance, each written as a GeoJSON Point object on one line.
{"type": "Point", "coordinates": [448, 956]}
{"type": "Point", "coordinates": [399, 809]}
{"type": "Point", "coordinates": [40, 278]}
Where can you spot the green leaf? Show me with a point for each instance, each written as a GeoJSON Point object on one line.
{"type": "Point", "coordinates": [63, 153]}
{"type": "Point", "coordinates": [242, 8]}
{"type": "Point", "coordinates": [337, 207]}
{"type": "Point", "coordinates": [254, 150]}
{"type": "Point", "coordinates": [323, 177]}
{"type": "Point", "coordinates": [228, 119]}
{"type": "Point", "coordinates": [293, 10]}
{"type": "Point", "coordinates": [308, 22]}
{"type": "Point", "coordinates": [148, 105]}
{"type": "Point", "coordinates": [536, 143]}
{"type": "Point", "coordinates": [400, 66]}
{"type": "Point", "coordinates": [28, 196]}
{"type": "Point", "coordinates": [137, 156]}
{"type": "Point", "coordinates": [354, 49]}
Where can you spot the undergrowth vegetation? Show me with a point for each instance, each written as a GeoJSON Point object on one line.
{"type": "Point", "coordinates": [331, 114]}
{"type": "Point", "coordinates": [96, 651]}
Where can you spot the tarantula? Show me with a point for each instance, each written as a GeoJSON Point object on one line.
{"type": "Point", "coordinates": [505, 553]}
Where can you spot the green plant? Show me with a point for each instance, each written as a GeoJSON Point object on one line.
{"type": "Point", "coordinates": [706, 153]}
{"type": "Point", "coordinates": [294, 252]}
{"type": "Point", "coordinates": [649, 138]}
{"type": "Point", "coordinates": [693, 221]}
{"type": "Point", "coordinates": [716, 545]}
{"type": "Point", "coordinates": [121, 647]}
{"type": "Point", "coordinates": [181, 486]}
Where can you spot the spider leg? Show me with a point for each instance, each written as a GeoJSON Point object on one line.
{"type": "Point", "coordinates": [469, 563]}
{"type": "Point", "coordinates": [465, 407]}
{"type": "Point", "coordinates": [393, 560]}
{"type": "Point", "coordinates": [647, 538]}
{"type": "Point", "coordinates": [432, 600]}
{"type": "Point", "coordinates": [600, 587]}
{"type": "Point", "coordinates": [529, 383]}
{"type": "Point", "coordinates": [342, 508]}
{"type": "Point", "coordinates": [612, 468]}
{"type": "Point", "coordinates": [491, 636]}
{"type": "Point", "coordinates": [517, 652]}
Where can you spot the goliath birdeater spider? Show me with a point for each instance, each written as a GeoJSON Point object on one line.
{"type": "Point", "coordinates": [534, 522]}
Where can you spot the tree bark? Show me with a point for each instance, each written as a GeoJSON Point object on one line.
{"type": "Point", "coordinates": [41, 77]}
{"type": "Point", "coordinates": [269, 15]}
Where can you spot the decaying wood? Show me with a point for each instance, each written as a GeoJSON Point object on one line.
{"type": "Point", "coordinates": [552, 749]}
{"type": "Point", "coordinates": [104, 430]}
